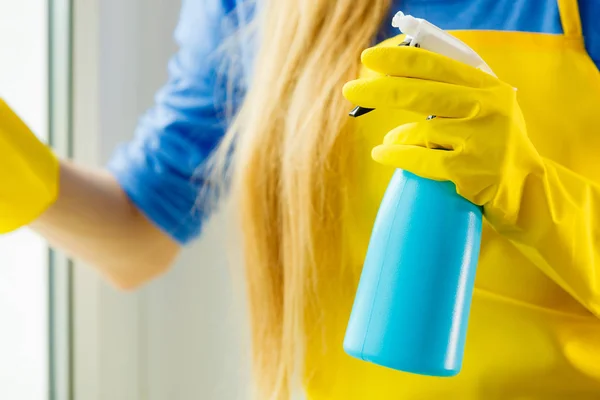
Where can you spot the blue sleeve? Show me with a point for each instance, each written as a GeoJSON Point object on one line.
{"type": "Point", "coordinates": [159, 168]}
{"type": "Point", "coordinates": [590, 14]}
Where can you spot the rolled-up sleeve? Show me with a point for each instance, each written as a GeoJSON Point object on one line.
{"type": "Point", "coordinates": [159, 168]}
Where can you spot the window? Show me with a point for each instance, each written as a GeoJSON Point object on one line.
{"type": "Point", "coordinates": [35, 60]}
{"type": "Point", "coordinates": [23, 255]}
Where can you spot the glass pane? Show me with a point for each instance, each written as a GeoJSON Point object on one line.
{"type": "Point", "coordinates": [23, 256]}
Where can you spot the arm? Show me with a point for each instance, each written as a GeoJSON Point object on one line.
{"type": "Point", "coordinates": [93, 220]}
{"type": "Point", "coordinates": [551, 213]}
{"type": "Point", "coordinates": [130, 219]}
{"type": "Point", "coordinates": [560, 211]}
{"type": "Point", "coordinates": [558, 229]}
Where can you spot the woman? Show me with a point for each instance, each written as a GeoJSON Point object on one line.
{"type": "Point", "coordinates": [309, 189]}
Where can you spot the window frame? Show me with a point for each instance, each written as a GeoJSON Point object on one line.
{"type": "Point", "coordinates": [60, 137]}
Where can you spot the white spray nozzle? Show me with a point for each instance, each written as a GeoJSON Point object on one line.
{"type": "Point", "coordinates": [405, 22]}
{"type": "Point", "coordinates": [432, 38]}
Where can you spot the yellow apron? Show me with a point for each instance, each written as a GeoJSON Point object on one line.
{"type": "Point", "coordinates": [527, 338]}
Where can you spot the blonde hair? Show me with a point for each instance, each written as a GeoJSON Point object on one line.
{"type": "Point", "coordinates": [290, 155]}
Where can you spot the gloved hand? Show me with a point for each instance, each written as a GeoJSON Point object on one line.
{"type": "Point", "coordinates": [29, 173]}
{"type": "Point", "coordinates": [550, 213]}
{"type": "Point", "coordinates": [478, 139]}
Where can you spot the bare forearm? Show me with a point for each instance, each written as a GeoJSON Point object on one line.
{"type": "Point", "coordinates": [94, 221]}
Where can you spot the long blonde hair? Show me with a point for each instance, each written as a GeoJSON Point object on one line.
{"type": "Point", "coordinates": [290, 156]}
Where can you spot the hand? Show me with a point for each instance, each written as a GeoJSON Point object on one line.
{"type": "Point", "coordinates": [28, 173]}
{"type": "Point", "coordinates": [478, 139]}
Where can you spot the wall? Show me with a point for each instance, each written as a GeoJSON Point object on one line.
{"type": "Point", "coordinates": [183, 335]}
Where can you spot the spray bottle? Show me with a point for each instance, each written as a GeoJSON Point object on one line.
{"type": "Point", "coordinates": [413, 300]}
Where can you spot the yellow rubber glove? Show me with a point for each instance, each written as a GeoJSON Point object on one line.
{"type": "Point", "coordinates": [29, 173]}
{"type": "Point", "coordinates": [479, 123]}
{"type": "Point", "coordinates": [552, 214]}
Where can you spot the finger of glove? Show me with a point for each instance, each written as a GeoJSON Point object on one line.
{"type": "Point", "coordinates": [424, 97]}
{"type": "Point", "coordinates": [412, 62]}
{"type": "Point", "coordinates": [433, 134]}
{"type": "Point", "coordinates": [426, 163]}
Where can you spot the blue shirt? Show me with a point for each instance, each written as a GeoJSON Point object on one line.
{"type": "Point", "coordinates": [161, 168]}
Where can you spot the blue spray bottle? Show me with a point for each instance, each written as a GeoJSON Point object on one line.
{"type": "Point", "coordinates": [413, 300]}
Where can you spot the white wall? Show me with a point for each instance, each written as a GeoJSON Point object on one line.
{"type": "Point", "coordinates": [183, 336]}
